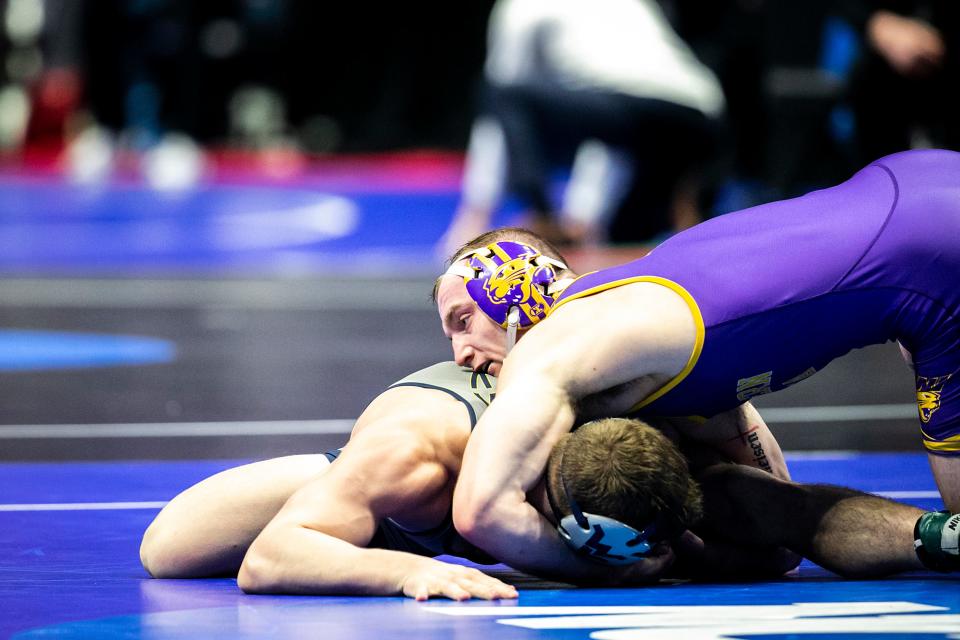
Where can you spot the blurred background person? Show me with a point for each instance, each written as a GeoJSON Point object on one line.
{"type": "Point", "coordinates": [905, 89]}
{"type": "Point", "coordinates": [164, 76]}
{"type": "Point", "coordinates": [609, 84]}
{"type": "Point", "coordinates": [625, 98]}
{"type": "Point", "coordinates": [161, 88]}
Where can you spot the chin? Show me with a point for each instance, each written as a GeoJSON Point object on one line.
{"type": "Point", "coordinates": [494, 369]}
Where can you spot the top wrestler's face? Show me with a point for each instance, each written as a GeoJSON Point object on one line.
{"type": "Point", "coordinates": [478, 342]}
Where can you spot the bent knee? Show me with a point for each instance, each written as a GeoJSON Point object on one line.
{"type": "Point", "coordinates": [784, 560]}
{"type": "Point", "coordinates": [157, 561]}
{"type": "Point", "coordinates": [164, 554]}
{"type": "Point", "coordinates": [152, 555]}
{"type": "Point", "coordinates": [255, 575]}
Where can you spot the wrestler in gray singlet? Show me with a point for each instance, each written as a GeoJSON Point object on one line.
{"type": "Point", "coordinates": [475, 391]}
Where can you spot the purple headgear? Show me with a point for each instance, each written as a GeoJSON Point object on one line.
{"type": "Point", "coordinates": [511, 282]}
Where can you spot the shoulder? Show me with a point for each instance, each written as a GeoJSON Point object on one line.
{"type": "Point", "coordinates": [599, 342]}
{"type": "Point", "coordinates": [424, 423]}
{"type": "Point", "coordinates": [639, 296]}
{"type": "Point", "coordinates": [439, 373]}
{"type": "Point", "coordinates": [646, 315]}
{"type": "Point", "coordinates": [455, 380]}
{"type": "Point", "coordinates": [646, 311]}
{"type": "Point", "coordinates": [474, 389]}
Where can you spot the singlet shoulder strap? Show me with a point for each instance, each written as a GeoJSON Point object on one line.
{"type": "Point", "coordinates": [475, 390]}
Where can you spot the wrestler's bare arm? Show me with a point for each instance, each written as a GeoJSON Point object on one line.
{"type": "Point", "coordinates": [206, 529]}
{"type": "Point", "coordinates": [739, 435]}
{"type": "Point", "coordinates": [556, 364]}
{"type": "Point", "coordinates": [316, 544]}
{"type": "Point", "coordinates": [946, 471]}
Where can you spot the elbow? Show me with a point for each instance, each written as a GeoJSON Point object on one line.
{"type": "Point", "coordinates": [465, 522]}
{"type": "Point", "coordinates": [265, 568]}
{"type": "Point", "coordinates": [477, 518]}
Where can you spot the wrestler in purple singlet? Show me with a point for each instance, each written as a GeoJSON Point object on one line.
{"type": "Point", "coordinates": [784, 288]}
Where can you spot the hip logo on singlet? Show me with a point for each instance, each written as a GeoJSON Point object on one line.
{"type": "Point", "coordinates": [753, 386]}
{"type": "Point", "coordinates": [799, 378]}
{"type": "Point", "coordinates": [928, 395]}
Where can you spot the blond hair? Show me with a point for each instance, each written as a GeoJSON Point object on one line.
{"type": "Point", "coordinates": [627, 470]}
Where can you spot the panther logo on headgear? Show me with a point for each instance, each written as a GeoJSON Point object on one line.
{"type": "Point", "coordinates": [509, 275]}
{"type": "Point", "coordinates": [512, 282]}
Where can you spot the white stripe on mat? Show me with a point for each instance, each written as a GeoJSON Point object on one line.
{"type": "Point", "coordinates": [108, 506]}
{"type": "Point", "coordinates": [301, 295]}
{"type": "Point", "coordinates": [82, 506]}
{"type": "Point", "coordinates": [907, 495]}
{"type": "Point", "coordinates": [177, 429]}
{"type": "Point", "coordinates": [838, 413]}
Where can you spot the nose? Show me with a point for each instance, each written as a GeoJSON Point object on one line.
{"type": "Point", "coordinates": [462, 352]}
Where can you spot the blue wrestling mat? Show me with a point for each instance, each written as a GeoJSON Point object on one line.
{"type": "Point", "coordinates": [69, 568]}
{"type": "Point", "coordinates": [22, 350]}
{"type": "Point", "coordinates": [343, 223]}
{"type": "Point", "coordinates": [99, 355]}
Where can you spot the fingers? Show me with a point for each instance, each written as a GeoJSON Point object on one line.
{"type": "Point", "coordinates": [448, 590]}
{"type": "Point", "coordinates": [472, 583]}
{"type": "Point", "coordinates": [486, 587]}
{"type": "Point", "coordinates": [688, 544]}
{"type": "Point", "coordinates": [458, 583]}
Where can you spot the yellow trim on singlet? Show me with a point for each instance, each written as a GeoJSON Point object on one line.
{"type": "Point", "coordinates": [951, 444]}
{"type": "Point", "coordinates": [694, 311]}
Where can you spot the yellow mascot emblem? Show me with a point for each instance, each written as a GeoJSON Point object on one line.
{"type": "Point", "coordinates": [510, 283]}
{"type": "Point", "coordinates": [929, 391]}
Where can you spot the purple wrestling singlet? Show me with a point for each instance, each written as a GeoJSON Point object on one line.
{"type": "Point", "coordinates": [781, 289]}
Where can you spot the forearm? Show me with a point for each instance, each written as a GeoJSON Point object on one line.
{"type": "Point", "coordinates": [741, 436]}
{"type": "Point", "coordinates": [298, 560]}
{"type": "Point", "coordinates": [503, 460]}
{"type": "Point", "coordinates": [525, 540]}
{"type": "Point", "coordinates": [506, 456]}
{"type": "Point", "coordinates": [755, 447]}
